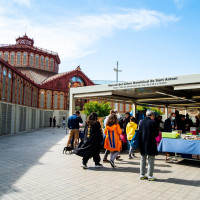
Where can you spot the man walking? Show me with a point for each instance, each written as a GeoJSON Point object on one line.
{"type": "Point", "coordinates": [148, 146]}
{"type": "Point", "coordinates": [73, 125]}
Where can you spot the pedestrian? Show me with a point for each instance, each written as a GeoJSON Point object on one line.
{"type": "Point", "coordinates": [50, 121]}
{"type": "Point", "coordinates": [130, 132]}
{"type": "Point", "coordinates": [105, 121]}
{"type": "Point", "coordinates": [73, 125]}
{"type": "Point", "coordinates": [54, 122]}
{"type": "Point", "coordinates": [148, 146]}
{"type": "Point", "coordinates": [63, 123]}
{"type": "Point", "coordinates": [126, 120]}
{"type": "Point", "coordinates": [170, 123]}
{"type": "Point", "coordinates": [91, 144]}
{"type": "Point", "coordinates": [112, 140]}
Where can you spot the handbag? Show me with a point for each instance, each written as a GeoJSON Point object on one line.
{"type": "Point", "coordinates": [123, 138]}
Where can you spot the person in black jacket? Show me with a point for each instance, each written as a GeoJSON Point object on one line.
{"type": "Point", "coordinates": [148, 146]}
{"type": "Point", "coordinates": [170, 123]}
{"type": "Point", "coordinates": [91, 144]}
{"type": "Point", "coordinates": [126, 120]}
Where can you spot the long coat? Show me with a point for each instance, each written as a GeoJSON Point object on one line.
{"type": "Point", "coordinates": [147, 133]}
{"type": "Point", "coordinates": [112, 140]}
{"type": "Point", "coordinates": [91, 142]}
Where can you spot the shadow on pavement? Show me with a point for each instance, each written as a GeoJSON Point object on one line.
{"type": "Point", "coordinates": [20, 152]}
{"type": "Point", "coordinates": [180, 181]}
{"type": "Point", "coordinates": [125, 169]}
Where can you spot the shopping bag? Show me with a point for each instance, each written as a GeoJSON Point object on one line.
{"type": "Point", "coordinates": [135, 140]}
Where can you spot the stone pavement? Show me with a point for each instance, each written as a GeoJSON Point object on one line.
{"type": "Point", "coordinates": [32, 166]}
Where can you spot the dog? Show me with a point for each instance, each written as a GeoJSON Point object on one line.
{"type": "Point", "coordinates": [67, 149]}
{"type": "Point", "coordinates": [58, 126]}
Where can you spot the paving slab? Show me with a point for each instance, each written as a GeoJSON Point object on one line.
{"type": "Point", "coordinates": [32, 166]}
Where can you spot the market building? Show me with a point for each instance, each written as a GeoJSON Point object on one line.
{"type": "Point", "coordinates": [31, 89]}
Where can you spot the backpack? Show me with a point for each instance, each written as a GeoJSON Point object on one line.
{"type": "Point", "coordinates": [135, 140]}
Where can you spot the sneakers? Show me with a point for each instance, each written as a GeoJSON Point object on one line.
{"type": "Point", "coordinates": [118, 157]}
{"type": "Point", "coordinates": [143, 177]}
{"type": "Point", "coordinates": [98, 166]}
{"type": "Point", "coordinates": [84, 166]}
{"type": "Point", "coordinates": [151, 178]}
{"type": "Point", "coordinates": [105, 160]}
{"type": "Point", "coordinates": [112, 163]}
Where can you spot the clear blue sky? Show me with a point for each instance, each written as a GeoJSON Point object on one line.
{"type": "Point", "coordinates": [149, 38]}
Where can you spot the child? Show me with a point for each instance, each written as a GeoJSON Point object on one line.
{"type": "Point", "coordinates": [130, 131]}
{"type": "Point", "coordinates": [91, 143]}
{"type": "Point", "coordinates": [63, 123]}
{"type": "Point", "coordinates": [112, 140]}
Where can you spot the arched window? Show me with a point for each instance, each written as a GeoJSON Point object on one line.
{"type": "Point", "coordinates": [61, 100]}
{"type": "Point", "coordinates": [47, 63]}
{"type": "Point", "coordinates": [48, 100]}
{"type": "Point", "coordinates": [31, 60]}
{"type": "Point", "coordinates": [56, 66]}
{"type": "Point", "coordinates": [76, 82]}
{"type": "Point", "coordinates": [51, 64]}
{"type": "Point", "coordinates": [30, 93]}
{"type": "Point", "coordinates": [18, 58]}
{"type": "Point", "coordinates": [42, 62]}
{"type": "Point", "coordinates": [13, 93]}
{"type": "Point", "coordinates": [35, 103]}
{"type": "Point", "coordinates": [9, 86]}
{"type": "Point", "coordinates": [55, 100]}
{"type": "Point", "coordinates": [6, 57]}
{"type": "Point", "coordinates": [12, 58]}
{"type": "Point", "coordinates": [17, 96]}
{"type": "Point", "coordinates": [33, 98]}
{"type": "Point", "coordinates": [24, 59]}
{"type": "Point", "coordinates": [36, 60]}
{"type": "Point", "coordinates": [0, 74]}
{"type": "Point", "coordinates": [27, 95]}
{"type": "Point", "coordinates": [4, 84]}
{"type": "Point", "coordinates": [21, 92]}
{"type": "Point", "coordinates": [42, 99]}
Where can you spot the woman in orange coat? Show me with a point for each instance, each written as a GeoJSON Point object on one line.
{"type": "Point", "coordinates": [112, 140]}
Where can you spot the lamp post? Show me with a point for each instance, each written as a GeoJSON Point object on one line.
{"type": "Point", "coordinates": [117, 71]}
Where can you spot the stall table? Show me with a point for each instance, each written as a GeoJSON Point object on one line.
{"type": "Point", "coordinates": [179, 146]}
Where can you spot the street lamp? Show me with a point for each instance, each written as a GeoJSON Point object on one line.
{"type": "Point", "coordinates": [117, 71]}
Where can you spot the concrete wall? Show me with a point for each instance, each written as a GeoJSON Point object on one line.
{"type": "Point", "coordinates": [16, 118]}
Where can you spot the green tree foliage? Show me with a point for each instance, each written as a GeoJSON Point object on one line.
{"type": "Point", "coordinates": [141, 108]}
{"type": "Point", "coordinates": [102, 109]}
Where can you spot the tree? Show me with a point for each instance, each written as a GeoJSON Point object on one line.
{"type": "Point", "coordinates": [102, 109]}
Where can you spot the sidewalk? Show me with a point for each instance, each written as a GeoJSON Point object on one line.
{"type": "Point", "coordinates": [32, 166]}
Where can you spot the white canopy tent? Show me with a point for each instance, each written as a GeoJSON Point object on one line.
{"type": "Point", "coordinates": [177, 91]}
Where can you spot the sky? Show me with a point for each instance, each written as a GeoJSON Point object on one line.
{"type": "Point", "coordinates": [148, 38]}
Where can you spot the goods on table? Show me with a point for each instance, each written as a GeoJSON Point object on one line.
{"type": "Point", "coordinates": [195, 130]}
{"type": "Point", "coordinates": [190, 137]}
{"type": "Point", "coordinates": [170, 135]}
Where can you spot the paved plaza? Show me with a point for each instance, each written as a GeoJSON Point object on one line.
{"type": "Point", "coordinates": [32, 166]}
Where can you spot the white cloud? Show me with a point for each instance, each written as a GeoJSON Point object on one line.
{"type": "Point", "coordinates": [179, 3]}
{"type": "Point", "coordinates": [22, 2]}
{"type": "Point", "coordinates": [75, 37]}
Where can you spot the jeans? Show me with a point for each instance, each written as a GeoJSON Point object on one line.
{"type": "Point", "coordinates": [150, 165]}
{"type": "Point", "coordinates": [113, 155]}
{"type": "Point", "coordinates": [131, 150]}
{"type": "Point", "coordinates": [106, 154]}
